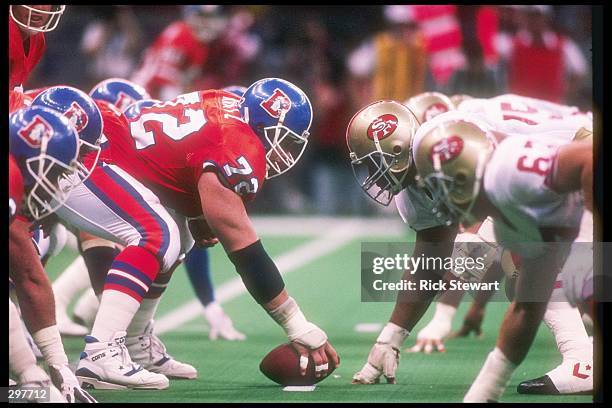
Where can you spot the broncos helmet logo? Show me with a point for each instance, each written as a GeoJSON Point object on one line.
{"type": "Point", "coordinates": [33, 132]}
{"type": "Point", "coordinates": [123, 101]}
{"type": "Point", "coordinates": [277, 103]}
{"type": "Point", "coordinates": [382, 127]}
{"type": "Point", "coordinates": [77, 116]}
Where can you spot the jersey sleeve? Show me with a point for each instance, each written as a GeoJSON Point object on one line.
{"type": "Point", "coordinates": [238, 159]}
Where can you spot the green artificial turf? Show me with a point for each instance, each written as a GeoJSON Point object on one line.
{"type": "Point", "coordinates": [328, 291]}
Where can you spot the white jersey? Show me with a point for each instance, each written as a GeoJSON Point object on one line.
{"type": "Point", "coordinates": [516, 114]}
{"type": "Point", "coordinates": [517, 182]}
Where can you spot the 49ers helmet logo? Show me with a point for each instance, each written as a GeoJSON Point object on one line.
{"type": "Point", "coordinates": [434, 110]}
{"type": "Point", "coordinates": [77, 116]}
{"type": "Point", "coordinates": [382, 127]}
{"type": "Point", "coordinates": [35, 131]}
{"type": "Point", "coordinates": [276, 103]}
{"type": "Point", "coordinates": [447, 149]}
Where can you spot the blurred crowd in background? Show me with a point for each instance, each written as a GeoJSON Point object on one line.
{"type": "Point", "coordinates": [343, 57]}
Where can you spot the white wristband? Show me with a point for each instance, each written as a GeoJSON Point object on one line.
{"type": "Point", "coordinates": [393, 334]}
{"type": "Point", "coordinates": [50, 344]}
{"type": "Point", "coordinates": [289, 317]}
{"type": "Point", "coordinates": [444, 312]}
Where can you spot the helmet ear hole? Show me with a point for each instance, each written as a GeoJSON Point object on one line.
{"type": "Point", "coordinates": [397, 149]}
{"type": "Point", "coordinates": [461, 178]}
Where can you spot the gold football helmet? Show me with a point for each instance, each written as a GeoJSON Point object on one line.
{"type": "Point", "coordinates": [457, 99]}
{"type": "Point", "coordinates": [428, 105]}
{"type": "Point", "coordinates": [379, 138]}
{"type": "Point", "coordinates": [450, 160]}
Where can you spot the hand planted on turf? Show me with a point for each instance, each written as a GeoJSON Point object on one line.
{"type": "Point", "coordinates": [431, 337]}
{"type": "Point", "coordinates": [63, 378]}
{"type": "Point", "coordinates": [472, 322]}
{"type": "Point", "coordinates": [382, 360]}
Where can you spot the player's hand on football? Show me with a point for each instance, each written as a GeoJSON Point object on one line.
{"type": "Point", "coordinates": [472, 322]}
{"type": "Point", "coordinates": [312, 342]}
{"type": "Point", "coordinates": [382, 360]}
{"type": "Point", "coordinates": [431, 337]}
{"type": "Point", "coordinates": [321, 357]}
{"type": "Point", "coordinates": [63, 378]}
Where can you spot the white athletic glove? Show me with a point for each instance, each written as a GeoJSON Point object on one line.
{"type": "Point", "coordinates": [66, 382]}
{"type": "Point", "coordinates": [468, 245]}
{"type": "Point", "coordinates": [431, 337]}
{"type": "Point", "coordinates": [384, 356]}
{"type": "Point", "coordinates": [221, 325]}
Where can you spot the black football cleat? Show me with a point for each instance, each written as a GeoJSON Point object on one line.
{"type": "Point", "coordinates": [541, 385]}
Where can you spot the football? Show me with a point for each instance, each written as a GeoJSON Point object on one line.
{"type": "Point", "coordinates": [282, 365]}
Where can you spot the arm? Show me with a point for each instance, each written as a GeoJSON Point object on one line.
{"type": "Point", "coordinates": [409, 308]}
{"type": "Point", "coordinates": [225, 213]}
{"type": "Point", "coordinates": [574, 170]}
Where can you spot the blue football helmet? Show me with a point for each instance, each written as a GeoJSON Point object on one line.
{"type": "Point", "coordinates": [135, 109]}
{"type": "Point", "coordinates": [280, 114]}
{"type": "Point", "coordinates": [235, 89]}
{"type": "Point", "coordinates": [84, 114]}
{"type": "Point", "coordinates": [45, 146]}
{"type": "Point", "coordinates": [120, 92]}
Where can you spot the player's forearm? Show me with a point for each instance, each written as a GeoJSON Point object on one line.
{"type": "Point", "coordinates": [31, 283]}
{"type": "Point", "coordinates": [411, 305]}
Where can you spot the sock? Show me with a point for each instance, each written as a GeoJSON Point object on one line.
{"type": "Point", "coordinates": [21, 357]}
{"type": "Point", "coordinates": [568, 329]}
{"type": "Point", "coordinates": [128, 280]}
{"type": "Point", "coordinates": [98, 259]}
{"type": "Point", "coordinates": [198, 269]}
{"type": "Point", "coordinates": [492, 380]}
{"type": "Point", "coordinates": [114, 314]}
{"type": "Point", "coordinates": [73, 280]}
{"type": "Point", "coordinates": [50, 344]}
{"type": "Point", "coordinates": [142, 317]}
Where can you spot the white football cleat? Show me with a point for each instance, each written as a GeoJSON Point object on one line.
{"type": "Point", "coordinates": [107, 365]}
{"type": "Point", "coordinates": [148, 350]}
{"type": "Point", "coordinates": [221, 325]}
{"type": "Point", "coordinates": [66, 326]}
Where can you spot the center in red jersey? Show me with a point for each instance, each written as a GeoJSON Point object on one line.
{"type": "Point", "coordinates": [170, 144]}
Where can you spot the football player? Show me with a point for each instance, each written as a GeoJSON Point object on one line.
{"type": "Point", "coordinates": [174, 60]}
{"type": "Point", "coordinates": [206, 154]}
{"type": "Point", "coordinates": [43, 148]}
{"type": "Point", "coordinates": [103, 253]}
{"type": "Point", "coordinates": [27, 25]}
{"type": "Point", "coordinates": [390, 174]}
{"type": "Point", "coordinates": [83, 113]}
{"type": "Point", "coordinates": [532, 189]}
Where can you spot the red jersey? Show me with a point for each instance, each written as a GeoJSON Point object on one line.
{"type": "Point", "coordinates": [18, 100]}
{"type": "Point", "coordinates": [176, 50]}
{"type": "Point", "coordinates": [21, 64]}
{"type": "Point", "coordinates": [172, 143]}
{"type": "Point", "coordinates": [15, 188]}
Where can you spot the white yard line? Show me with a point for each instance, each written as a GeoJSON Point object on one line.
{"type": "Point", "coordinates": [335, 235]}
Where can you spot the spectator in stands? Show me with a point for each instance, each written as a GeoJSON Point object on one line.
{"type": "Point", "coordinates": [542, 63]}
{"type": "Point", "coordinates": [392, 64]}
